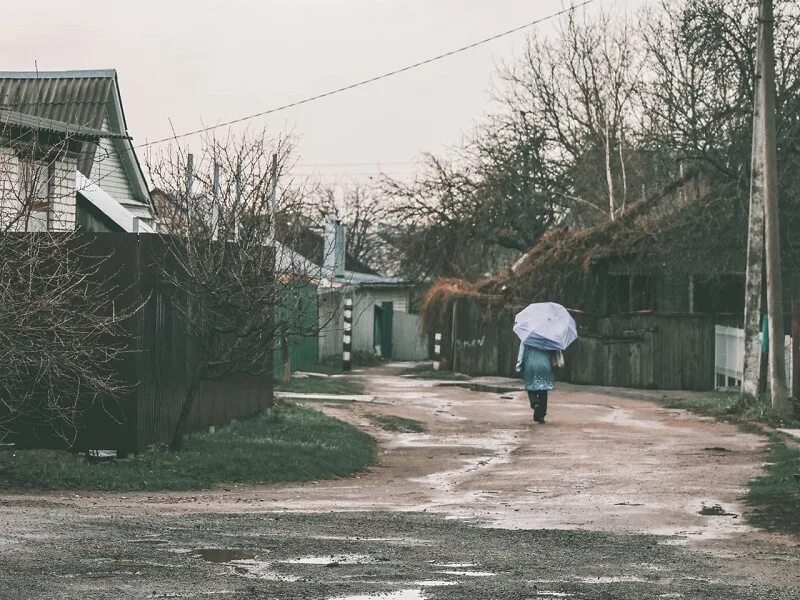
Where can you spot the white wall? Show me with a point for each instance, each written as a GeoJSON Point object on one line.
{"type": "Point", "coordinates": [108, 172]}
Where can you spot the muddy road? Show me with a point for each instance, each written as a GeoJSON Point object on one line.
{"type": "Point", "coordinates": [602, 502]}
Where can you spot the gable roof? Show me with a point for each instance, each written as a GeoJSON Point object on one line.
{"type": "Point", "coordinates": [87, 99]}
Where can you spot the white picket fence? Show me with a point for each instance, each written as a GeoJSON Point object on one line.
{"type": "Point", "coordinates": [729, 357]}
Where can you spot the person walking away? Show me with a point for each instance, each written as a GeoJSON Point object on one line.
{"type": "Point", "coordinates": [536, 367]}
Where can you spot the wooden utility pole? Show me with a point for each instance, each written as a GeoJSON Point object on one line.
{"type": "Point", "coordinates": [766, 84]}
{"type": "Point", "coordinates": [764, 228]}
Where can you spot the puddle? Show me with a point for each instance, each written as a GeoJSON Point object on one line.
{"type": "Point", "coordinates": [455, 565]}
{"type": "Point", "coordinates": [224, 555]}
{"type": "Point", "coordinates": [545, 594]}
{"type": "Point", "coordinates": [257, 569]}
{"type": "Point", "coordinates": [435, 583]}
{"type": "Point", "coordinates": [620, 579]}
{"type": "Point", "coordinates": [334, 559]}
{"type": "Point", "coordinates": [399, 595]}
{"type": "Point", "coordinates": [467, 573]}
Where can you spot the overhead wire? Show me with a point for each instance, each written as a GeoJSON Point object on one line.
{"type": "Point", "coordinates": [357, 84]}
{"type": "Point", "coordinates": [370, 80]}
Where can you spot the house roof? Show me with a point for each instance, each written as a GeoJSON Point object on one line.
{"type": "Point", "coordinates": [86, 99]}
{"type": "Point", "coordinates": [27, 121]}
{"type": "Point", "coordinates": [109, 206]}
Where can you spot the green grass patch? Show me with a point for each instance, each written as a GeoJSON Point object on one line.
{"type": "Point", "coordinates": [735, 408]}
{"type": "Point", "coordinates": [425, 371]}
{"type": "Point", "coordinates": [322, 385]}
{"type": "Point", "coordinates": [774, 498]}
{"type": "Point", "coordinates": [397, 424]}
{"type": "Point", "coordinates": [291, 443]}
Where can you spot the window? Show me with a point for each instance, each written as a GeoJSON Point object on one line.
{"type": "Point", "coordinates": [36, 189]}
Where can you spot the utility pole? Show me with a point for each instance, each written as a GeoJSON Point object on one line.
{"type": "Point", "coordinates": [273, 229]}
{"type": "Point", "coordinates": [766, 84]}
{"type": "Point", "coordinates": [764, 230]}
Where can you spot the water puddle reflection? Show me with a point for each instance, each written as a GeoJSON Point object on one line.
{"type": "Point", "coordinates": [224, 555]}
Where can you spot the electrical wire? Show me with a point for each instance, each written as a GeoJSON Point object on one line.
{"type": "Point", "coordinates": [370, 80]}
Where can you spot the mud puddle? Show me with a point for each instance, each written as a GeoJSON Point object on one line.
{"type": "Point", "coordinates": [332, 560]}
{"type": "Point", "coordinates": [399, 595]}
{"type": "Point", "coordinates": [224, 555]}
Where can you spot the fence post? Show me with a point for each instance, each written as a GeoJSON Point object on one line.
{"type": "Point", "coordinates": [454, 336]}
{"type": "Point", "coordinates": [347, 335]}
{"type": "Point", "coordinates": [437, 351]}
{"type": "Point", "coordinates": [796, 354]}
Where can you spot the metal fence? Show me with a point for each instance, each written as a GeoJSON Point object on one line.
{"type": "Point", "coordinates": [159, 356]}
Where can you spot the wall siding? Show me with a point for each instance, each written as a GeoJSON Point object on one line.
{"type": "Point", "coordinates": [108, 172]}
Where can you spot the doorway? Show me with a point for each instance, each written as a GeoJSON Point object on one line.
{"type": "Point", "coordinates": [382, 329]}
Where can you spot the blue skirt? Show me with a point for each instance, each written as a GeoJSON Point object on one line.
{"type": "Point", "coordinates": [537, 370]}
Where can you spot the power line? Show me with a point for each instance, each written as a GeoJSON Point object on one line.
{"type": "Point", "coordinates": [370, 80]}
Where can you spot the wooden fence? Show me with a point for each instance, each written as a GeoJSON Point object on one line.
{"type": "Point", "coordinates": [159, 356]}
{"type": "Point", "coordinates": [642, 350]}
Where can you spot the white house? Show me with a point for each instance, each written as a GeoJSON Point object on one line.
{"type": "Point", "coordinates": [65, 152]}
{"type": "Point", "coordinates": [383, 323]}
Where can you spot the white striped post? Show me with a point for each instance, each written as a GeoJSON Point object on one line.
{"type": "Point", "coordinates": [347, 339]}
{"type": "Point", "coordinates": [437, 351]}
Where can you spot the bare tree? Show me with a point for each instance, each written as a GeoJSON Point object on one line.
{"type": "Point", "coordinates": [60, 329]}
{"type": "Point", "coordinates": [363, 211]}
{"type": "Point", "coordinates": [235, 287]}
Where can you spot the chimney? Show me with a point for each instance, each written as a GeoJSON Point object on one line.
{"type": "Point", "coordinates": [333, 247]}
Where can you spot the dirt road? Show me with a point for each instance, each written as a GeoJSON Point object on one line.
{"type": "Point", "coordinates": [602, 502]}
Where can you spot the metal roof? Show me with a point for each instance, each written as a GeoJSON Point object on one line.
{"type": "Point", "coordinates": [77, 97]}
{"type": "Point", "coordinates": [26, 121]}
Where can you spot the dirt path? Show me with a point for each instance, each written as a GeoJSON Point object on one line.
{"type": "Point", "coordinates": [602, 502]}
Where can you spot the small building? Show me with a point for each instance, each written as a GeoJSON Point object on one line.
{"type": "Point", "coordinates": [384, 320]}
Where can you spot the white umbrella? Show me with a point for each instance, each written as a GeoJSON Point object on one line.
{"type": "Point", "coordinates": [547, 326]}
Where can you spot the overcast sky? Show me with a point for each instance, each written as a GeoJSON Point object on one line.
{"type": "Point", "coordinates": [204, 61]}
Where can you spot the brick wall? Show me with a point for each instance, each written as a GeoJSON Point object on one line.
{"type": "Point", "coordinates": [57, 185]}
{"type": "Point", "coordinates": [61, 216]}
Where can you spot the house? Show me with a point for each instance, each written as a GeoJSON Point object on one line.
{"type": "Point", "coordinates": [64, 136]}
{"type": "Point", "coordinates": [384, 323]}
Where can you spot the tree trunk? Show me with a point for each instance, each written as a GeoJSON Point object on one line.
{"type": "Point", "coordinates": [176, 443]}
{"type": "Point", "coordinates": [286, 360]}
{"type": "Point", "coordinates": [612, 205]}
{"type": "Point", "coordinates": [754, 282]}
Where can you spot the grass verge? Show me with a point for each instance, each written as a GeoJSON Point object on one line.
{"type": "Point", "coordinates": [292, 443]}
{"type": "Point", "coordinates": [774, 498]}
{"type": "Point", "coordinates": [425, 371]}
{"type": "Point", "coordinates": [397, 424]}
{"type": "Point", "coordinates": [321, 385]}
{"type": "Point", "coordinates": [735, 408]}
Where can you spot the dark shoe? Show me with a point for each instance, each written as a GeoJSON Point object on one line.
{"type": "Point", "coordinates": [535, 419]}
{"type": "Point", "coordinates": [539, 421]}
